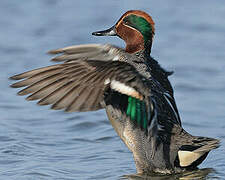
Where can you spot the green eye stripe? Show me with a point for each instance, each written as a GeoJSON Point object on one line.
{"type": "Point", "coordinates": [141, 24]}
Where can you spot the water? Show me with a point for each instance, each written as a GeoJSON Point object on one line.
{"type": "Point", "coordinates": [37, 143]}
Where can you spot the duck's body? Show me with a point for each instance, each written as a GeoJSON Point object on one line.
{"type": "Point", "coordinates": [131, 86]}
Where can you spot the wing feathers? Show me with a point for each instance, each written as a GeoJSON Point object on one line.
{"type": "Point", "coordinates": [76, 104]}
{"type": "Point", "coordinates": [35, 78]}
{"type": "Point", "coordinates": [76, 49]}
{"type": "Point", "coordinates": [88, 52]}
{"type": "Point", "coordinates": [33, 72]}
{"type": "Point", "coordinates": [46, 90]}
{"type": "Point", "coordinates": [69, 57]}
{"type": "Point", "coordinates": [57, 94]}
{"type": "Point", "coordinates": [79, 85]}
{"type": "Point", "coordinates": [39, 84]}
{"type": "Point", "coordinates": [66, 99]}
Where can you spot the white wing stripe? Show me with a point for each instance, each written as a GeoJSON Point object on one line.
{"type": "Point", "coordinates": [123, 88]}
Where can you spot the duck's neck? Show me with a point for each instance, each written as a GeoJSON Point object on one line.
{"type": "Point", "coordinates": [137, 43]}
{"type": "Point", "coordinates": [137, 47]}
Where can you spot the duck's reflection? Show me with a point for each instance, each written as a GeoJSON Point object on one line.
{"type": "Point", "coordinates": [188, 175]}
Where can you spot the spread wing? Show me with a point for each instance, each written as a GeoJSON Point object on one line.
{"type": "Point", "coordinates": [74, 85]}
{"type": "Point", "coordinates": [81, 83]}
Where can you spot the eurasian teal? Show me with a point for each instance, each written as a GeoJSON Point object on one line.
{"type": "Point", "coordinates": [131, 86]}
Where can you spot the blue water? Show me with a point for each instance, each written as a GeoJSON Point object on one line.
{"type": "Point", "coordinates": [38, 143]}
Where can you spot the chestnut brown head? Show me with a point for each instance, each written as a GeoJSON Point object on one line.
{"type": "Point", "coordinates": [136, 28]}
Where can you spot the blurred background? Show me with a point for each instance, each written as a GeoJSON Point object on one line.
{"type": "Point", "coordinates": [38, 143]}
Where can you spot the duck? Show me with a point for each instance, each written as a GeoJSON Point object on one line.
{"type": "Point", "coordinates": [133, 89]}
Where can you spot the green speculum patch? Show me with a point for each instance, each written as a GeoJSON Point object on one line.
{"type": "Point", "coordinates": [136, 110]}
{"type": "Point", "coordinates": [142, 25]}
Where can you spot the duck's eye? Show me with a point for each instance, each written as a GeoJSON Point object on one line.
{"type": "Point", "coordinates": [126, 22]}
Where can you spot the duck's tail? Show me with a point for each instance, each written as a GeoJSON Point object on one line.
{"type": "Point", "coordinates": [192, 153]}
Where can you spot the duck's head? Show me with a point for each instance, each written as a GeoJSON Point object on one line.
{"type": "Point", "coordinates": [136, 28]}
